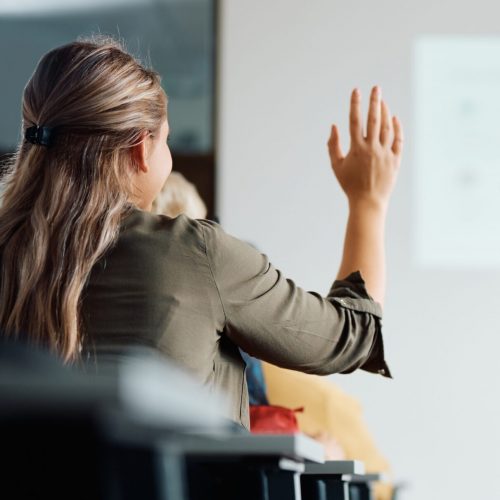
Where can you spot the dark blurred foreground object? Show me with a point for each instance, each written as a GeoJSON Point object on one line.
{"type": "Point", "coordinates": [105, 432]}
{"type": "Point", "coordinates": [129, 425]}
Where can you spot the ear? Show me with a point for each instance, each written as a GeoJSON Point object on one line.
{"type": "Point", "coordinates": [139, 154]}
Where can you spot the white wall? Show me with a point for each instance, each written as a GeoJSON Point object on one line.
{"type": "Point", "coordinates": [287, 67]}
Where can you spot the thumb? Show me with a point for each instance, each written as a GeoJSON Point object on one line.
{"type": "Point", "coordinates": [334, 148]}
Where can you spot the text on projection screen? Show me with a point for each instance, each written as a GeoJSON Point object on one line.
{"type": "Point", "coordinates": [457, 148]}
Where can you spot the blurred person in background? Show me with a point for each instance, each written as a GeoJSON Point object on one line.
{"type": "Point", "coordinates": [85, 266]}
{"type": "Point", "coordinates": [179, 196]}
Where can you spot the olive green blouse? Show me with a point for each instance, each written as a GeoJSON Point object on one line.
{"type": "Point", "coordinates": [187, 288]}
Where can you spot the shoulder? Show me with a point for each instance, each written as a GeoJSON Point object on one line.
{"type": "Point", "coordinates": [185, 235]}
{"type": "Point", "coordinates": [147, 224]}
{"type": "Point", "coordinates": [139, 225]}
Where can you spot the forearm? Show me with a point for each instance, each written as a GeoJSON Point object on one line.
{"type": "Point", "coordinates": [364, 247]}
{"type": "Point", "coordinates": [367, 176]}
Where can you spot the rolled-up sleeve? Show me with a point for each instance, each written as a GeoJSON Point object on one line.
{"type": "Point", "coordinates": [273, 319]}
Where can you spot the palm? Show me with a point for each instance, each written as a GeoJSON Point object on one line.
{"type": "Point", "coordinates": [370, 168]}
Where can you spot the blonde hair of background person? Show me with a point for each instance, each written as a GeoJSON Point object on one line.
{"type": "Point", "coordinates": [88, 196]}
{"type": "Point", "coordinates": [179, 196]}
{"type": "Point", "coordinates": [62, 206]}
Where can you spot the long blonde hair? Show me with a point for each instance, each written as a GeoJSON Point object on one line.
{"type": "Point", "coordinates": [63, 204]}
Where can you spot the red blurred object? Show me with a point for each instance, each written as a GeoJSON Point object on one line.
{"type": "Point", "coordinates": [268, 419]}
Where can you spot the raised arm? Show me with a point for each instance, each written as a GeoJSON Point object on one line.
{"type": "Point", "coordinates": [367, 175]}
{"type": "Point", "coordinates": [273, 319]}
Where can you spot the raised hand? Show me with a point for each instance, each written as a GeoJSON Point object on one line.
{"type": "Point", "coordinates": [368, 172]}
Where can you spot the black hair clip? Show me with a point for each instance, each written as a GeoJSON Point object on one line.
{"type": "Point", "coordinates": [39, 135]}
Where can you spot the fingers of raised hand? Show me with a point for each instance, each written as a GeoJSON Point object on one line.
{"type": "Point", "coordinates": [397, 143]}
{"type": "Point", "coordinates": [385, 125]}
{"type": "Point", "coordinates": [334, 147]}
{"type": "Point", "coordinates": [355, 120]}
{"type": "Point", "coordinates": [374, 116]}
